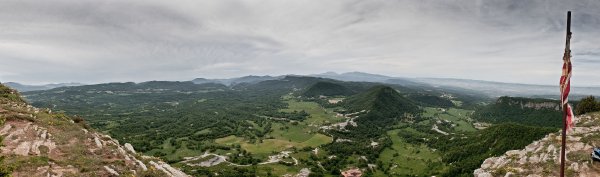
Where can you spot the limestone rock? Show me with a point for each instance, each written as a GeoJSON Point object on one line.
{"type": "Point", "coordinates": [111, 171]}
{"type": "Point", "coordinates": [129, 148]}
{"type": "Point", "coordinates": [98, 143]}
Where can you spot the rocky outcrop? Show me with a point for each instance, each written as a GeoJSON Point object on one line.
{"type": "Point", "coordinates": [529, 103]}
{"type": "Point", "coordinates": [542, 157]}
{"type": "Point", "coordinates": [25, 139]}
{"type": "Point", "coordinates": [111, 171]}
{"type": "Point", "coordinates": [37, 142]}
{"type": "Point", "coordinates": [542, 105]}
{"type": "Point", "coordinates": [166, 168]}
{"type": "Point", "coordinates": [129, 148]}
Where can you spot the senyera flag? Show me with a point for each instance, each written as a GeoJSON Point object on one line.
{"type": "Point", "coordinates": [570, 117]}
{"type": "Point", "coordinates": [565, 87]}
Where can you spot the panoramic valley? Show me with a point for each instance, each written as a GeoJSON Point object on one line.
{"type": "Point", "coordinates": [270, 88]}
{"type": "Point", "coordinates": [304, 125]}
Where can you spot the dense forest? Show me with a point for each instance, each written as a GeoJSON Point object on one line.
{"type": "Point", "coordinates": [135, 112]}
{"type": "Point", "coordinates": [431, 100]}
{"type": "Point", "coordinates": [327, 89]}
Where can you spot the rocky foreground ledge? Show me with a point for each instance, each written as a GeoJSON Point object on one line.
{"type": "Point", "coordinates": [542, 158]}
{"type": "Point", "coordinates": [37, 142]}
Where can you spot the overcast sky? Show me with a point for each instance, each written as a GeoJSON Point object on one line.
{"type": "Point", "coordinates": [105, 41]}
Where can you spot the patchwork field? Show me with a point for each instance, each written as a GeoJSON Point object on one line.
{"type": "Point", "coordinates": [318, 114]}
{"type": "Point", "coordinates": [404, 159]}
{"type": "Point", "coordinates": [174, 153]}
{"type": "Point", "coordinates": [457, 116]}
{"type": "Point", "coordinates": [268, 146]}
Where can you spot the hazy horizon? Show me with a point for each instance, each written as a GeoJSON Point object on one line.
{"type": "Point", "coordinates": [118, 41]}
{"type": "Point", "coordinates": [309, 75]}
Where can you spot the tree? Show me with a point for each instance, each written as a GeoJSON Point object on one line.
{"type": "Point", "coordinates": [587, 104]}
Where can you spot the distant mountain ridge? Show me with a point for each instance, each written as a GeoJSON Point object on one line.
{"type": "Point", "coordinates": [489, 88]}
{"type": "Point", "coordinates": [238, 80]}
{"type": "Point", "coordinates": [25, 88]}
{"type": "Point", "coordinates": [497, 89]}
{"type": "Point", "coordinates": [354, 76]}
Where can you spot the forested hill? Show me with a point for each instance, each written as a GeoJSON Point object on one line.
{"type": "Point", "coordinates": [327, 89]}
{"type": "Point", "coordinates": [528, 111]}
{"type": "Point", "coordinates": [431, 100]}
{"type": "Point", "coordinates": [286, 83]}
{"type": "Point", "coordinates": [375, 111]}
{"type": "Point", "coordinates": [383, 100]}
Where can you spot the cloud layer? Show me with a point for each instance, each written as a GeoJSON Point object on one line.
{"type": "Point", "coordinates": [102, 41]}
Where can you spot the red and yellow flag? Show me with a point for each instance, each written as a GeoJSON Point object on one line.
{"type": "Point", "coordinates": [565, 85]}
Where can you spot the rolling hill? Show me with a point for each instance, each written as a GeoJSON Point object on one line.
{"type": "Point", "coordinates": [327, 89]}
{"type": "Point", "coordinates": [382, 99]}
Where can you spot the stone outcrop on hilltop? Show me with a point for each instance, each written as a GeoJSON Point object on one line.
{"type": "Point", "coordinates": [542, 157]}
{"type": "Point", "coordinates": [537, 105]}
{"type": "Point", "coordinates": [37, 142]}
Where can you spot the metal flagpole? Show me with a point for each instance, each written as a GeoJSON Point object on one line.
{"type": "Point", "coordinates": [564, 106]}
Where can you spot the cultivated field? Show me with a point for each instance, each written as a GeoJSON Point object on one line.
{"type": "Point", "coordinates": [456, 116]}
{"type": "Point", "coordinates": [406, 159]}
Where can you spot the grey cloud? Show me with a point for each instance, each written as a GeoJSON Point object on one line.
{"type": "Point", "coordinates": [100, 41]}
{"type": "Point", "coordinates": [587, 60]}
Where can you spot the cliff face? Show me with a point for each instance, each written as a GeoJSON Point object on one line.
{"type": "Point", "coordinates": [526, 111]}
{"type": "Point", "coordinates": [536, 104]}
{"type": "Point", "coordinates": [542, 157]}
{"type": "Point", "coordinates": [37, 142]}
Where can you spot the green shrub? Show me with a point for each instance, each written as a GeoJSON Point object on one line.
{"type": "Point", "coordinates": [16, 116]}
{"type": "Point", "coordinates": [587, 104]}
{"type": "Point", "coordinates": [10, 94]}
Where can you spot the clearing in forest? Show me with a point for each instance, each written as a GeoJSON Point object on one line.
{"type": "Point", "coordinates": [406, 159]}
{"type": "Point", "coordinates": [460, 117]}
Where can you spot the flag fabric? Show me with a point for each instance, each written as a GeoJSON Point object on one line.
{"type": "Point", "coordinates": [570, 117]}
{"type": "Point", "coordinates": [565, 79]}
{"type": "Point", "coordinates": [565, 85]}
